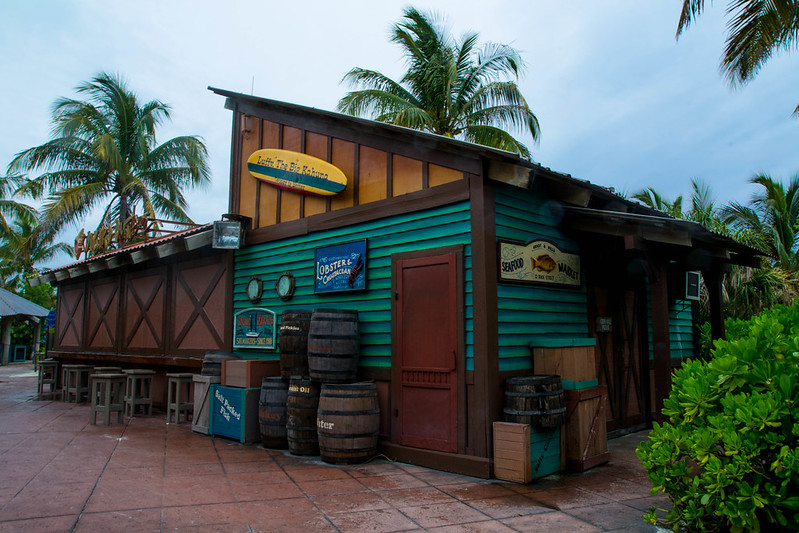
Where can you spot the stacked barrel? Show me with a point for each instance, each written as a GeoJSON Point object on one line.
{"type": "Point", "coordinates": [327, 411]}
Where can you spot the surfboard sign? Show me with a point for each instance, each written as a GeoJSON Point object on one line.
{"type": "Point", "coordinates": [295, 171]}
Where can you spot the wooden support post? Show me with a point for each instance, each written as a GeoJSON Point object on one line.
{"type": "Point", "coordinates": [659, 293]}
{"type": "Point", "coordinates": [714, 279]}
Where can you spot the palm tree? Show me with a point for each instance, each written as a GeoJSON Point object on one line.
{"type": "Point", "coordinates": [757, 30]}
{"type": "Point", "coordinates": [8, 207]}
{"type": "Point", "coordinates": [652, 198]}
{"type": "Point", "coordinates": [23, 245]}
{"type": "Point", "coordinates": [770, 221]}
{"type": "Point", "coordinates": [104, 153]}
{"type": "Point", "coordinates": [452, 88]}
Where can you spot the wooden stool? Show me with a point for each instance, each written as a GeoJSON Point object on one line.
{"type": "Point", "coordinates": [75, 380]}
{"type": "Point", "coordinates": [107, 392]}
{"type": "Point", "coordinates": [179, 397]}
{"type": "Point", "coordinates": [107, 370]}
{"type": "Point", "coordinates": [48, 375]}
{"type": "Point", "coordinates": [139, 391]}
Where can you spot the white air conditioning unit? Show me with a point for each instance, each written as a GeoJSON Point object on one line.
{"type": "Point", "coordinates": [692, 282]}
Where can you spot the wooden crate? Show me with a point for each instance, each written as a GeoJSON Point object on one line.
{"type": "Point", "coordinates": [248, 373]}
{"type": "Point", "coordinates": [576, 365]}
{"type": "Point", "coordinates": [523, 453]}
{"type": "Point", "coordinates": [234, 413]}
{"type": "Point", "coordinates": [512, 452]}
{"type": "Point", "coordinates": [202, 402]}
{"type": "Point", "coordinates": [586, 428]}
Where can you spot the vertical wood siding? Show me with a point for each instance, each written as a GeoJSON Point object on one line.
{"type": "Point", "coordinates": [443, 226]}
{"type": "Point", "coordinates": [531, 312]}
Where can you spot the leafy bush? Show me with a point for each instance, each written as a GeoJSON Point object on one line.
{"type": "Point", "coordinates": [728, 457]}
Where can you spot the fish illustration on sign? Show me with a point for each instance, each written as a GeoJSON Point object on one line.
{"type": "Point", "coordinates": [295, 171]}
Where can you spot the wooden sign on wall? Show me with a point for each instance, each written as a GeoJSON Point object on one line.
{"type": "Point", "coordinates": [538, 261]}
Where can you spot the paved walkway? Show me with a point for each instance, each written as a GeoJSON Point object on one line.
{"type": "Point", "coordinates": [58, 473]}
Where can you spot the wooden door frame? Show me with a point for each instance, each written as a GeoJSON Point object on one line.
{"type": "Point", "coordinates": [460, 315]}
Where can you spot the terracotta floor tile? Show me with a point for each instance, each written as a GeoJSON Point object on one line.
{"type": "Point", "coordinates": [411, 497]}
{"type": "Point", "coordinates": [202, 515]}
{"type": "Point", "coordinates": [378, 467]}
{"type": "Point", "coordinates": [120, 490]}
{"type": "Point", "coordinates": [316, 473]}
{"type": "Point", "coordinates": [197, 469]}
{"type": "Point", "coordinates": [611, 516]}
{"type": "Point", "coordinates": [393, 481]}
{"type": "Point", "coordinates": [50, 524]}
{"type": "Point", "coordinates": [661, 501]}
{"type": "Point", "coordinates": [195, 490]}
{"type": "Point", "coordinates": [478, 490]}
{"type": "Point", "coordinates": [257, 478]}
{"type": "Point", "coordinates": [331, 486]}
{"type": "Point", "coordinates": [508, 506]}
{"type": "Point", "coordinates": [489, 526]}
{"type": "Point", "coordinates": [568, 498]}
{"type": "Point", "coordinates": [380, 520]}
{"type": "Point", "coordinates": [47, 499]}
{"type": "Point", "coordinates": [265, 466]}
{"type": "Point", "coordinates": [550, 523]}
{"type": "Point", "coordinates": [442, 514]}
{"type": "Point", "coordinates": [138, 520]}
{"type": "Point", "coordinates": [266, 491]}
{"type": "Point", "coordinates": [349, 502]}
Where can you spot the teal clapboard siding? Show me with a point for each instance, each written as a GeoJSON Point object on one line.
{"type": "Point", "coordinates": [527, 313]}
{"type": "Point", "coordinates": [681, 328]}
{"type": "Point", "coordinates": [442, 226]}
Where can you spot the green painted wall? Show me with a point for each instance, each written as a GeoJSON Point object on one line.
{"type": "Point", "coordinates": [443, 226]}
{"type": "Point", "coordinates": [681, 330]}
{"type": "Point", "coordinates": [529, 313]}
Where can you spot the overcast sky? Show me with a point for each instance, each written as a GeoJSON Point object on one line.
{"type": "Point", "coordinates": [621, 103]}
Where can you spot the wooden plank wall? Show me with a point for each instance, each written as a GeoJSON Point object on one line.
{"type": "Point", "coordinates": [527, 312]}
{"type": "Point", "coordinates": [177, 308]}
{"type": "Point", "coordinates": [372, 174]}
{"type": "Point", "coordinates": [441, 226]}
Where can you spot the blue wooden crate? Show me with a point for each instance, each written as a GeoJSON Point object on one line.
{"type": "Point", "coordinates": [544, 451]}
{"type": "Point", "coordinates": [234, 413]}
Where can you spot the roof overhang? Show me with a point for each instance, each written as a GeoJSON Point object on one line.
{"type": "Point", "coordinates": [159, 248]}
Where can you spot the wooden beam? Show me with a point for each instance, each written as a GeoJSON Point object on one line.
{"type": "Point", "coordinates": [659, 298]}
{"type": "Point", "coordinates": [142, 255]}
{"type": "Point", "coordinates": [509, 173]}
{"type": "Point", "coordinates": [119, 260]}
{"type": "Point", "coordinates": [171, 248]}
{"type": "Point", "coordinates": [97, 266]}
{"type": "Point", "coordinates": [199, 240]}
{"type": "Point", "coordinates": [714, 280]}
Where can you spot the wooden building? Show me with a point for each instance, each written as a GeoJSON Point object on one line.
{"type": "Point", "coordinates": [158, 305]}
{"type": "Point", "coordinates": [477, 266]}
{"type": "Point", "coordinates": [442, 324]}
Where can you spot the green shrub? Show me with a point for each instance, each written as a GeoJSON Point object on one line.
{"type": "Point", "coordinates": [728, 457]}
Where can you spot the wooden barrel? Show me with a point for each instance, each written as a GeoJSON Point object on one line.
{"type": "Point", "coordinates": [535, 400]}
{"type": "Point", "coordinates": [334, 345]}
{"type": "Point", "coordinates": [212, 362]}
{"type": "Point", "coordinates": [348, 422]}
{"type": "Point", "coordinates": [301, 405]}
{"type": "Point", "coordinates": [272, 412]}
{"type": "Point", "coordinates": [294, 327]}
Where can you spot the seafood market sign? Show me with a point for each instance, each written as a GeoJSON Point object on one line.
{"type": "Point", "coordinates": [341, 267]}
{"type": "Point", "coordinates": [538, 261]}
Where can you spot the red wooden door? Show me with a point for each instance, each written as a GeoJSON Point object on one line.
{"type": "Point", "coordinates": [426, 349]}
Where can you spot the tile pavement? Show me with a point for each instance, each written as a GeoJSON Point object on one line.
{"type": "Point", "coordinates": [59, 473]}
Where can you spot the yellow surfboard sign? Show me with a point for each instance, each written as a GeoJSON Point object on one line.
{"type": "Point", "coordinates": [295, 171]}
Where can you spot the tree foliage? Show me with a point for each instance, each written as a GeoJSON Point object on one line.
{"type": "Point", "coordinates": [727, 456]}
{"type": "Point", "coordinates": [757, 29]}
{"type": "Point", "coordinates": [104, 154]}
{"type": "Point", "coordinates": [451, 88]}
